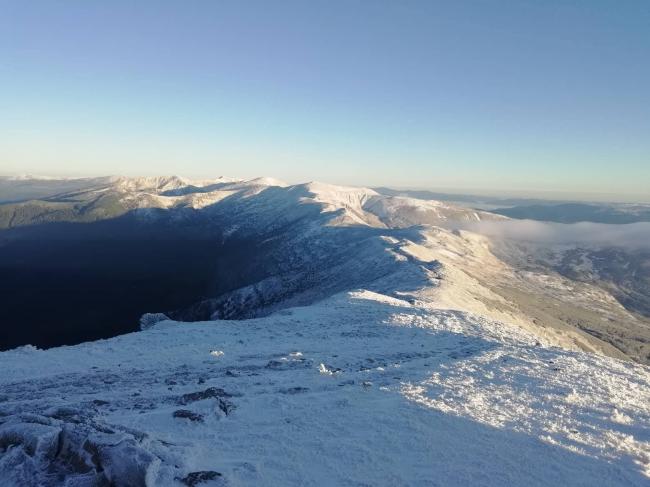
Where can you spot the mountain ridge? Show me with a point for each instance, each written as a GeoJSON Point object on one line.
{"type": "Point", "coordinates": [344, 338]}
{"type": "Point", "coordinates": [307, 241]}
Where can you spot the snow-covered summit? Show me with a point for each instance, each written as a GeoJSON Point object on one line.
{"type": "Point", "coordinates": [267, 181]}
{"type": "Point", "coordinates": [162, 184]}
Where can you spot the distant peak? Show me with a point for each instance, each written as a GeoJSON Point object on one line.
{"type": "Point", "coordinates": [151, 183]}
{"type": "Point", "coordinates": [318, 187]}
{"type": "Point", "coordinates": [267, 181]}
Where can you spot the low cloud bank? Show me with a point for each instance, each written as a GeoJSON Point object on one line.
{"type": "Point", "coordinates": [631, 236]}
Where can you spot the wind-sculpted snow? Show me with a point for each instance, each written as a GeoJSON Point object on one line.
{"type": "Point", "coordinates": [360, 389]}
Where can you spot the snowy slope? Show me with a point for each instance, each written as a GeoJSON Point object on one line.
{"type": "Point", "coordinates": [398, 211]}
{"type": "Point", "coordinates": [361, 389]}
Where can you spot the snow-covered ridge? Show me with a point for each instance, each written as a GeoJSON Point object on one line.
{"type": "Point", "coordinates": [361, 204]}
{"type": "Point", "coordinates": [162, 184]}
{"type": "Point", "coordinates": [382, 350]}
{"type": "Point", "coordinates": [357, 205]}
{"type": "Point", "coordinates": [310, 261]}
{"type": "Point", "coordinates": [348, 205]}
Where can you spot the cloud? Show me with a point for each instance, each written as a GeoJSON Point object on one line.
{"type": "Point", "coordinates": [631, 236]}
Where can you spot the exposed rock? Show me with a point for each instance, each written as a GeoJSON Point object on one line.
{"type": "Point", "coordinates": [196, 478]}
{"type": "Point", "coordinates": [294, 390]}
{"type": "Point", "coordinates": [187, 414]}
{"type": "Point", "coordinates": [225, 406]}
{"type": "Point", "coordinates": [209, 393]}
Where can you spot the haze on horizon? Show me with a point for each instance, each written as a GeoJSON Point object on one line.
{"type": "Point", "coordinates": [513, 97]}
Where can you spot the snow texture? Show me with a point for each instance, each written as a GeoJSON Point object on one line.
{"type": "Point", "coordinates": [360, 389]}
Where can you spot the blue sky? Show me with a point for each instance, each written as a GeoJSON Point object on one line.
{"type": "Point", "coordinates": [512, 96]}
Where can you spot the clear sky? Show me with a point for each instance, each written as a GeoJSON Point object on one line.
{"type": "Point", "coordinates": [513, 96]}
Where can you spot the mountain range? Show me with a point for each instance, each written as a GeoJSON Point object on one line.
{"type": "Point", "coordinates": [254, 332]}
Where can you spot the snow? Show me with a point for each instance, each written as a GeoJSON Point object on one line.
{"type": "Point", "coordinates": [349, 205]}
{"type": "Point", "coordinates": [349, 200]}
{"type": "Point", "coordinates": [267, 181]}
{"type": "Point", "coordinates": [362, 388]}
{"type": "Point", "coordinates": [150, 184]}
{"type": "Point", "coordinates": [405, 367]}
{"type": "Point", "coordinates": [402, 212]}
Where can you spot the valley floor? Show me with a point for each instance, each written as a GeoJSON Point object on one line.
{"type": "Point", "coordinates": [359, 389]}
